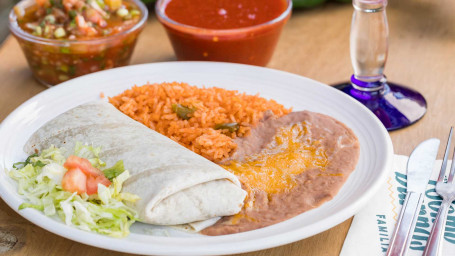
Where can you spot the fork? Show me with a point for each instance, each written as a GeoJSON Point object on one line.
{"type": "Point", "coordinates": [447, 192]}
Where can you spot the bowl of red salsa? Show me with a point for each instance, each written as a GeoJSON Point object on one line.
{"type": "Point", "coordinates": [63, 39]}
{"type": "Point", "coordinates": [241, 31]}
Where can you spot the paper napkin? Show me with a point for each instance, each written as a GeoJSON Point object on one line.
{"type": "Point", "coordinates": [372, 227]}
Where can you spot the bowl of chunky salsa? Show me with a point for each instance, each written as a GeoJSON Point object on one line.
{"type": "Point", "coordinates": [63, 39]}
{"type": "Point", "coordinates": [241, 31]}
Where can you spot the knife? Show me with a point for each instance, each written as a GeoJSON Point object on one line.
{"type": "Point", "coordinates": [420, 166]}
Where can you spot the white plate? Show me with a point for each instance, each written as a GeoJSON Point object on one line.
{"type": "Point", "coordinates": [289, 89]}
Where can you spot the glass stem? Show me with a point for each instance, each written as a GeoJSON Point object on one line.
{"type": "Point", "coordinates": [369, 43]}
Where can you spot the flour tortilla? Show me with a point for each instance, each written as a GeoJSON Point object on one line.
{"type": "Point", "coordinates": [176, 186]}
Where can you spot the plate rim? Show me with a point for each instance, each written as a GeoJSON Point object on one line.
{"type": "Point", "coordinates": [270, 241]}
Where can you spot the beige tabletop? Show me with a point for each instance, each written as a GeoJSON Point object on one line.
{"type": "Point", "coordinates": [315, 44]}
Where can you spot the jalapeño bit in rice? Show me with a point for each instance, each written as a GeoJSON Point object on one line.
{"type": "Point", "coordinates": [77, 19]}
{"type": "Point", "coordinates": [217, 115]}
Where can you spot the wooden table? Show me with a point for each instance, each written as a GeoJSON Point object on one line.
{"type": "Point", "coordinates": [315, 44]}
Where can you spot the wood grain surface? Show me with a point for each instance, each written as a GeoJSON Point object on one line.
{"type": "Point", "coordinates": [315, 44]}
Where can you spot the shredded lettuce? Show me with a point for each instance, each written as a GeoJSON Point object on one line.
{"type": "Point", "coordinates": [53, 171]}
{"type": "Point", "coordinates": [39, 181]}
{"type": "Point", "coordinates": [89, 152]}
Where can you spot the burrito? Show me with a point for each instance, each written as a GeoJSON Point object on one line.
{"type": "Point", "coordinates": [176, 185]}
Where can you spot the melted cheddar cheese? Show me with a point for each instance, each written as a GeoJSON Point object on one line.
{"type": "Point", "coordinates": [274, 169]}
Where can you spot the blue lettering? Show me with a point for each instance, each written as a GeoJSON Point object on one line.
{"type": "Point", "coordinates": [434, 205]}
{"type": "Point", "coordinates": [421, 234]}
{"type": "Point", "coordinates": [422, 210]}
{"type": "Point", "coordinates": [431, 194]}
{"type": "Point", "coordinates": [417, 245]}
{"type": "Point", "coordinates": [401, 194]}
{"type": "Point", "coordinates": [449, 237]}
{"type": "Point", "coordinates": [422, 222]}
{"type": "Point", "coordinates": [449, 234]}
{"type": "Point", "coordinates": [450, 222]}
{"type": "Point", "coordinates": [401, 178]}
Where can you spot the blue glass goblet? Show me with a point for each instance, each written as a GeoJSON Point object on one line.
{"type": "Point", "coordinates": [395, 105]}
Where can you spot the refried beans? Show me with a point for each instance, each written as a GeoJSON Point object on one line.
{"type": "Point", "coordinates": [288, 165]}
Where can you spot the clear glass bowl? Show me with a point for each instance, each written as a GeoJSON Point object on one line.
{"type": "Point", "coordinates": [54, 61]}
{"type": "Point", "coordinates": [250, 45]}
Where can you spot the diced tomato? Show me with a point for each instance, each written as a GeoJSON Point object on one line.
{"type": "Point", "coordinates": [92, 184]}
{"type": "Point", "coordinates": [84, 28]}
{"type": "Point", "coordinates": [74, 180]}
{"type": "Point", "coordinates": [90, 31]}
{"type": "Point", "coordinates": [103, 180]}
{"type": "Point", "coordinates": [83, 164]}
{"type": "Point", "coordinates": [95, 17]}
{"type": "Point", "coordinates": [92, 176]}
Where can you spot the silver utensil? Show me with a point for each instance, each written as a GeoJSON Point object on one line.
{"type": "Point", "coordinates": [420, 165]}
{"type": "Point", "coordinates": [447, 191]}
